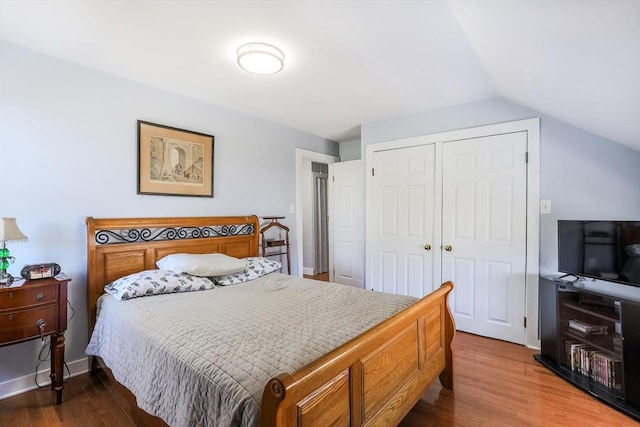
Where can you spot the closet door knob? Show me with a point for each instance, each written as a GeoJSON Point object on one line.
{"type": "Point", "coordinates": [448, 248]}
{"type": "Point", "coordinates": [427, 247]}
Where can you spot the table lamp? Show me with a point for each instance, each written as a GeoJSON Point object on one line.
{"type": "Point", "coordinates": [9, 232]}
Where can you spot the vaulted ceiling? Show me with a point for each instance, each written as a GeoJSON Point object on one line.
{"type": "Point", "coordinates": [353, 62]}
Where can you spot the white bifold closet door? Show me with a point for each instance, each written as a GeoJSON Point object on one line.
{"type": "Point", "coordinates": [456, 211]}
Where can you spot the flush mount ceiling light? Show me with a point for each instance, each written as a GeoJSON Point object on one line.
{"type": "Point", "coordinates": [260, 58]}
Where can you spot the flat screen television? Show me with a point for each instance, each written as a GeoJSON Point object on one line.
{"type": "Point", "coordinates": [606, 250]}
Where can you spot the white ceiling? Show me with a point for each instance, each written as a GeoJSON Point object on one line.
{"type": "Point", "coordinates": [354, 62]}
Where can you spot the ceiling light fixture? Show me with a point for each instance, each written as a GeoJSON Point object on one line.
{"type": "Point", "coordinates": [260, 58]}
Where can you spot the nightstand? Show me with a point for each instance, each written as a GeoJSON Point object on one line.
{"type": "Point", "coordinates": [34, 310]}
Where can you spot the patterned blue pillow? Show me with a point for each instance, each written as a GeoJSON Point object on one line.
{"type": "Point", "coordinates": [258, 267]}
{"type": "Point", "coordinates": [156, 282]}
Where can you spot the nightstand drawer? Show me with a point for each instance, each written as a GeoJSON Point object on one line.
{"type": "Point", "coordinates": [21, 325]}
{"type": "Point", "coordinates": [27, 296]}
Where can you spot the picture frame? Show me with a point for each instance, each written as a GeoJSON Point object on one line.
{"type": "Point", "coordinates": [174, 162]}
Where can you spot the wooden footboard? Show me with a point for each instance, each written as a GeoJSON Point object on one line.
{"type": "Point", "coordinates": [374, 379]}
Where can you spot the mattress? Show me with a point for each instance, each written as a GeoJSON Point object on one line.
{"type": "Point", "coordinates": [203, 358]}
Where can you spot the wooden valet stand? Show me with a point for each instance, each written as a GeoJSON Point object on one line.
{"type": "Point", "coordinates": [281, 245]}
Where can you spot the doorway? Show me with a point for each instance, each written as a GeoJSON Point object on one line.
{"type": "Point", "coordinates": [307, 209]}
{"type": "Point", "coordinates": [316, 258]}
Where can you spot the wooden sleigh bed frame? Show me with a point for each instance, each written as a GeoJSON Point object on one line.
{"type": "Point", "coordinates": [372, 380]}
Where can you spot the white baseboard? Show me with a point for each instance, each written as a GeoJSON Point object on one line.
{"type": "Point", "coordinates": [27, 383]}
{"type": "Point", "coordinates": [309, 271]}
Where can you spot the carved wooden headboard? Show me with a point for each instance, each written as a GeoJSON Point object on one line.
{"type": "Point", "coordinates": [120, 246]}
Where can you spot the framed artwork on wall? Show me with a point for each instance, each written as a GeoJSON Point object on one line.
{"type": "Point", "coordinates": [174, 162]}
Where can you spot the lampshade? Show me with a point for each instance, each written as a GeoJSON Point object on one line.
{"type": "Point", "coordinates": [9, 231]}
{"type": "Point", "coordinates": [260, 58]}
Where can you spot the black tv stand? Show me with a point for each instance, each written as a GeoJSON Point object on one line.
{"type": "Point", "coordinates": [592, 340]}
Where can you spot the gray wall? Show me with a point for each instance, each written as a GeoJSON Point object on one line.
{"type": "Point", "coordinates": [350, 150]}
{"type": "Point", "coordinates": [585, 176]}
{"type": "Point", "coordinates": [68, 149]}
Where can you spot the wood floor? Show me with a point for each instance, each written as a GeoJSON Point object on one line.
{"type": "Point", "coordinates": [322, 276]}
{"type": "Point", "coordinates": [496, 384]}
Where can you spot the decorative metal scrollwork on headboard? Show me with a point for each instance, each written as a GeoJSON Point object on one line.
{"type": "Point", "coordinates": [133, 235]}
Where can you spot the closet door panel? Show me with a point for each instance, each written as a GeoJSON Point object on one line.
{"type": "Point", "coordinates": [484, 220]}
{"type": "Point", "coordinates": [403, 221]}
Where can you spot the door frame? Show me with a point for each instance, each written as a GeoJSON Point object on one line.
{"type": "Point", "coordinates": [304, 157]}
{"type": "Point", "coordinates": [532, 268]}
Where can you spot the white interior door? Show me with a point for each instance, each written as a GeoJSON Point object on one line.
{"type": "Point", "coordinates": [347, 222]}
{"type": "Point", "coordinates": [402, 239]}
{"type": "Point", "coordinates": [484, 233]}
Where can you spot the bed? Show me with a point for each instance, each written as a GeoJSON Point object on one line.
{"type": "Point", "coordinates": [374, 378]}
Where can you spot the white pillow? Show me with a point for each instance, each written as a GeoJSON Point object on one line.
{"type": "Point", "coordinates": [203, 265]}
{"type": "Point", "coordinates": [155, 282]}
{"type": "Point", "coordinates": [258, 267]}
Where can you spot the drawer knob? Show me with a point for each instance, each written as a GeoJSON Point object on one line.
{"type": "Point", "coordinates": [11, 317]}
{"type": "Point", "coordinates": [10, 294]}
{"type": "Point", "coordinates": [40, 296]}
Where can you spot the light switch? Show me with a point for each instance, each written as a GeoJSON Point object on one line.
{"type": "Point", "coordinates": [292, 208]}
{"type": "Point", "coordinates": [545, 206]}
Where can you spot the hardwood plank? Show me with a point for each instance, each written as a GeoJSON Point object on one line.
{"type": "Point", "coordinates": [111, 414]}
{"type": "Point", "coordinates": [496, 384]}
{"type": "Point", "coordinates": [324, 277]}
{"type": "Point", "coordinates": [117, 410]}
{"type": "Point", "coordinates": [14, 413]}
{"type": "Point", "coordinates": [500, 384]}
